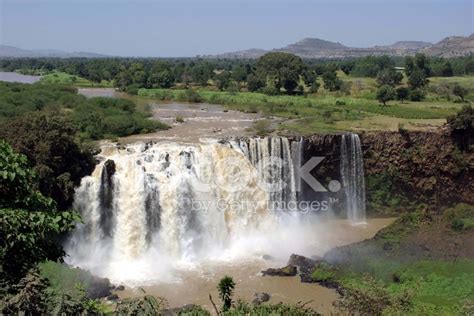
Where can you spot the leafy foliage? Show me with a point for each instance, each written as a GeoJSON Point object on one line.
{"type": "Point", "coordinates": [49, 142]}
{"type": "Point", "coordinates": [29, 221]}
{"type": "Point", "coordinates": [33, 296]}
{"type": "Point", "coordinates": [385, 93]}
{"type": "Point", "coordinates": [280, 70]}
{"type": "Point", "coordinates": [146, 305]}
{"type": "Point", "coordinates": [243, 308]}
{"type": "Point", "coordinates": [226, 291]}
{"type": "Point", "coordinates": [93, 118]}
{"type": "Point", "coordinates": [371, 297]}
{"type": "Point", "coordinates": [461, 217]}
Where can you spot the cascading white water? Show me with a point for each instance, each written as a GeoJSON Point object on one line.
{"type": "Point", "coordinates": [151, 208]}
{"type": "Point", "coordinates": [149, 204]}
{"type": "Point", "coordinates": [352, 174]}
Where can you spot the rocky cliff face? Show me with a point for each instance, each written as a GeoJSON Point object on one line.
{"type": "Point", "coordinates": [403, 171]}
{"type": "Point", "coordinates": [417, 167]}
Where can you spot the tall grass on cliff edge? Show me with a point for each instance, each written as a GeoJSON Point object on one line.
{"type": "Point", "coordinates": [301, 106]}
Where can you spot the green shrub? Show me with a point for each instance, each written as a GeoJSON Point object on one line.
{"type": "Point", "coordinates": [323, 273]}
{"type": "Point", "coordinates": [460, 216]}
{"type": "Point", "coordinates": [146, 305]}
{"type": "Point", "coordinates": [226, 291]}
{"type": "Point", "coordinates": [270, 90]}
{"type": "Point", "coordinates": [262, 127]}
{"type": "Point", "coordinates": [192, 96]}
{"type": "Point", "coordinates": [417, 95]}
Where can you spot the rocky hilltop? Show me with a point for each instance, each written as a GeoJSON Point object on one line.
{"type": "Point", "coordinates": [453, 46]}
{"type": "Point", "coordinates": [15, 52]}
{"type": "Point", "coordinates": [318, 48]}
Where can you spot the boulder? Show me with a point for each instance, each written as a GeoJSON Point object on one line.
{"type": "Point", "coordinates": [289, 270]}
{"type": "Point", "coordinates": [120, 288]}
{"type": "Point", "coordinates": [259, 298]}
{"type": "Point", "coordinates": [302, 262]}
{"type": "Point", "coordinates": [267, 257]}
{"type": "Point", "coordinates": [97, 287]}
{"type": "Point", "coordinates": [113, 297]}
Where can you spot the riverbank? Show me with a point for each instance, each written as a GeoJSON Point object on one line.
{"type": "Point", "coordinates": [421, 264]}
{"type": "Point", "coordinates": [196, 283]}
{"type": "Point", "coordinates": [304, 115]}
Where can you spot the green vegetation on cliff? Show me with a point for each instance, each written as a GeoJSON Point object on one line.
{"type": "Point", "coordinates": [93, 118]}
{"type": "Point", "coordinates": [421, 264]}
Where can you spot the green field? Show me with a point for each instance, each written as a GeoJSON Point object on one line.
{"type": "Point", "coordinates": [65, 78]}
{"type": "Point", "coordinates": [321, 112]}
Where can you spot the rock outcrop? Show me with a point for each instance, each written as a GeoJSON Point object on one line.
{"type": "Point", "coordinates": [289, 270]}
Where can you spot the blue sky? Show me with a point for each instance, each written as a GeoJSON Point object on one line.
{"type": "Point", "coordinates": [192, 27]}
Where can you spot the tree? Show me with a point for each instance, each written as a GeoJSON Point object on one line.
{"type": "Point", "coordinates": [447, 70]}
{"type": "Point", "coordinates": [162, 79]}
{"type": "Point", "coordinates": [30, 222]}
{"type": "Point", "coordinates": [417, 79]}
{"type": "Point", "coordinates": [389, 76]}
{"type": "Point", "coordinates": [402, 93]}
{"type": "Point", "coordinates": [418, 70]}
{"type": "Point", "coordinates": [417, 95]}
{"type": "Point", "coordinates": [419, 62]}
{"type": "Point", "coordinates": [280, 69]}
{"type": "Point", "coordinates": [226, 291]}
{"type": "Point", "coordinates": [331, 81]}
{"type": "Point", "coordinates": [201, 73]}
{"type": "Point", "coordinates": [254, 83]}
{"type": "Point", "coordinates": [314, 86]}
{"type": "Point", "coordinates": [385, 93]}
{"type": "Point", "coordinates": [239, 73]}
{"type": "Point", "coordinates": [222, 80]}
{"type": "Point", "coordinates": [49, 143]}
{"type": "Point", "coordinates": [459, 91]}
{"type": "Point", "coordinates": [462, 126]}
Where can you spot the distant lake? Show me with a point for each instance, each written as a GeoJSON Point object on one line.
{"type": "Point", "coordinates": [16, 77]}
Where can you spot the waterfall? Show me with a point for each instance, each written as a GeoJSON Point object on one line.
{"type": "Point", "coordinates": [149, 207]}
{"type": "Point", "coordinates": [150, 203]}
{"type": "Point", "coordinates": [352, 174]}
{"type": "Point", "coordinates": [276, 162]}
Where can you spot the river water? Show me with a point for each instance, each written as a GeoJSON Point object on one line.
{"type": "Point", "coordinates": [193, 284]}
{"type": "Point", "coordinates": [16, 77]}
{"type": "Point", "coordinates": [199, 120]}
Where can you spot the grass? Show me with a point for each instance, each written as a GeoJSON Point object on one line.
{"type": "Point", "coordinates": [322, 112]}
{"type": "Point", "coordinates": [64, 279]}
{"type": "Point", "coordinates": [65, 78]}
{"type": "Point", "coordinates": [434, 284]}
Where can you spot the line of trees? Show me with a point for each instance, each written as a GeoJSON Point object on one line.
{"type": "Point", "coordinates": [271, 73]}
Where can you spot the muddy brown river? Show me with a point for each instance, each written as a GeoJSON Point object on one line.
{"type": "Point", "coordinates": [199, 120]}
{"type": "Point", "coordinates": [195, 283]}
{"type": "Point", "coordinates": [192, 283]}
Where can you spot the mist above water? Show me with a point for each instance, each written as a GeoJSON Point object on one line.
{"type": "Point", "coordinates": [150, 210]}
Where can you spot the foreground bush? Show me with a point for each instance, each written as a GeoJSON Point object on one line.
{"type": "Point", "coordinates": [30, 223]}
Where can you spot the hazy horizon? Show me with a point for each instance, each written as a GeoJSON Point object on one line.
{"type": "Point", "coordinates": [165, 28]}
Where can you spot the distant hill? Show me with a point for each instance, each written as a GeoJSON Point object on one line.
{"type": "Point", "coordinates": [10, 51]}
{"type": "Point", "coordinates": [452, 46]}
{"type": "Point", "coordinates": [319, 48]}
{"type": "Point", "coordinates": [410, 45]}
{"type": "Point", "coordinates": [252, 53]}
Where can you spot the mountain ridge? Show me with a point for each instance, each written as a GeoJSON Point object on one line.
{"type": "Point", "coordinates": [308, 47]}
{"type": "Point", "coordinates": [7, 51]}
